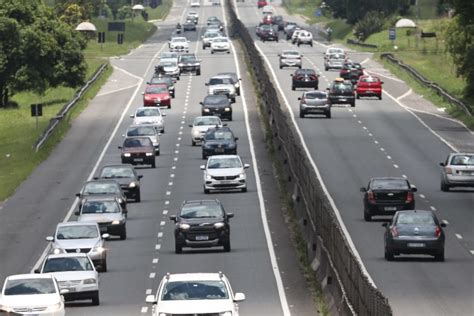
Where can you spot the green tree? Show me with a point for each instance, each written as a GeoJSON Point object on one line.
{"type": "Point", "coordinates": [37, 50]}
{"type": "Point", "coordinates": [373, 22]}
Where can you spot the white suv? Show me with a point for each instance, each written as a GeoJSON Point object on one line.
{"type": "Point", "coordinates": [195, 293]}
{"type": "Point", "coordinates": [304, 37]}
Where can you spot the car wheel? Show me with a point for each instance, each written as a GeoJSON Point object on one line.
{"type": "Point", "coordinates": [367, 216]}
{"type": "Point", "coordinates": [203, 47]}
{"type": "Point", "coordinates": [311, 44]}
{"type": "Point", "coordinates": [169, 106]}
{"type": "Point", "coordinates": [328, 115]}
{"type": "Point", "coordinates": [358, 96]}
{"type": "Point", "coordinates": [158, 152]}
{"type": "Point", "coordinates": [353, 104]}
{"type": "Point", "coordinates": [123, 234]}
{"type": "Point", "coordinates": [444, 186]}
{"type": "Point", "coordinates": [95, 299]}
{"type": "Point", "coordinates": [212, 52]}
{"type": "Point", "coordinates": [163, 130]}
{"type": "Point", "coordinates": [178, 248]}
{"type": "Point", "coordinates": [177, 78]}
{"type": "Point", "coordinates": [301, 114]}
{"type": "Point", "coordinates": [172, 95]}
{"type": "Point", "coordinates": [281, 67]}
{"type": "Point", "coordinates": [198, 73]}
{"type": "Point", "coordinates": [380, 97]}
{"type": "Point", "coordinates": [388, 255]}
{"type": "Point", "coordinates": [193, 143]}
{"type": "Point", "coordinates": [238, 91]}
{"type": "Point", "coordinates": [103, 265]}
{"type": "Point", "coordinates": [298, 44]}
{"type": "Point", "coordinates": [316, 87]}
{"type": "Point", "coordinates": [207, 191]}
{"type": "Point", "coordinates": [138, 197]}
{"type": "Point", "coordinates": [204, 156]}
{"type": "Point", "coordinates": [244, 189]}
{"type": "Point", "coordinates": [227, 246]}
{"type": "Point", "coordinates": [153, 164]}
{"type": "Point", "coordinates": [233, 100]}
{"type": "Point", "coordinates": [440, 255]}
{"type": "Point", "coordinates": [299, 66]}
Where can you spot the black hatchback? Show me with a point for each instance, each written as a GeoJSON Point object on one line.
{"type": "Point", "coordinates": [219, 141]}
{"type": "Point", "coordinates": [217, 105]}
{"type": "Point", "coordinates": [386, 195]}
{"type": "Point", "coordinates": [341, 92]}
{"type": "Point", "coordinates": [305, 78]}
{"type": "Point", "coordinates": [202, 223]}
{"type": "Point", "coordinates": [414, 232]}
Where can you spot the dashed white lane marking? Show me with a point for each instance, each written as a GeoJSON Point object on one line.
{"type": "Point", "coordinates": [160, 235]}
{"type": "Point", "coordinates": [175, 158]}
{"type": "Point", "coordinates": [172, 175]}
{"type": "Point", "coordinates": [144, 310]}
{"type": "Point", "coordinates": [177, 145]}
{"type": "Point", "coordinates": [167, 202]}
{"type": "Point", "coordinates": [472, 252]}
{"type": "Point", "coordinates": [180, 133]}
{"type": "Point", "coordinates": [157, 247]}
{"type": "Point", "coordinates": [148, 291]}
{"type": "Point", "coordinates": [183, 117]}
{"type": "Point", "coordinates": [370, 134]}
{"type": "Point", "coordinates": [364, 127]}
{"type": "Point", "coordinates": [181, 127]}
{"type": "Point", "coordinates": [152, 275]}
{"type": "Point", "coordinates": [155, 260]}
{"type": "Point", "coordinates": [382, 149]}
{"type": "Point", "coordinates": [176, 151]}
{"type": "Point", "coordinates": [458, 236]}
{"type": "Point", "coordinates": [405, 94]}
{"type": "Point", "coordinates": [360, 122]}
{"type": "Point", "coordinates": [165, 212]}
{"type": "Point", "coordinates": [422, 196]}
{"type": "Point", "coordinates": [404, 176]}
{"type": "Point", "coordinates": [179, 138]}
{"type": "Point", "coordinates": [170, 183]}
{"type": "Point", "coordinates": [354, 115]}
{"type": "Point", "coordinates": [173, 167]}
{"type": "Point", "coordinates": [182, 122]}
{"type": "Point", "coordinates": [395, 166]}
{"type": "Point", "coordinates": [162, 223]}
{"type": "Point", "coordinates": [376, 141]}
{"type": "Point", "coordinates": [389, 157]}
{"type": "Point", "coordinates": [433, 208]}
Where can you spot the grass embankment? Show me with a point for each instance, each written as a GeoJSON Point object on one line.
{"type": "Point", "coordinates": [18, 130]}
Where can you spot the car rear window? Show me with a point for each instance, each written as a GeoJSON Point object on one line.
{"type": "Point", "coordinates": [117, 172]}
{"type": "Point", "coordinates": [148, 112]}
{"type": "Point", "coordinates": [99, 207]}
{"type": "Point", "coordinates": [462, 160]}
{"type": "Point", "coordinates": [137, 142]}
{"type": "Point", "coordinates": [389, 184]}
{"type": "Point", "coordinates": [315, 95]}
{"type": "Point", "coordinates": [215, 100]}
{"type": "Point", "coordinates": [370, 79]}
{"type": "Point", "coordinates": [415, 219]}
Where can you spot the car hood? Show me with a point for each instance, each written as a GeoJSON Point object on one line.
{"type": "Point", "coordinates": [74, 275]}
{"type": "Point", "coordinates": [194, 306]}
{"type": "Point", "coordinates": [221, 86]}
{"type": "Point", "coordinates": [224, 172]}
{"type": "Point", "coordinates": [35, 300]}
{"type": "Point", "coordinates": [76, 243]}
{"type": "Point", "coordinates": [100, 218]}
{"type": "Point", "coordinates": [218, 142]}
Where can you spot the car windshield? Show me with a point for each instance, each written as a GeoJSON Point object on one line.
{"type": "Point", "coordinates": [141, 131]}
{"type": "Point", "coordinates": [162, 80]}
{"type": "Point", "coordinates": [215, 100]}
{"type": "Point", "coordinates": [168, 55]}
{"type": "Point", "coordinates": [335, 51]}
{"type": "Point", "coordinates": [415, 219]}
{"type": "Point", "coordinates": [100, 207]}
{"type": "Point", "coordinates": [67, 264]}
{"type": "Point", "coordinates": [101, 188]}
{"type": "Point", "coordinates": [77, 232]}
{"type": "Point", "coordinates": [221, 163]}
{"type": "Point", "coordinates": [156, 89]}
{"type": "Point", "coordinates": [179, 40]}
{"type": "Point", "coordinates": [136, 142]}
{"type": "Point", "coordinates": [214, 81]}
{"type": "Point", "coordinates": [29, 287]}
{"type": "Point", "coordinates": [198, 210]}
{"type": "Point", "coordinates": [219, 135]}
{"type": "Point", "coordinates": [168, 64]}
{"type": "Point", "coordinates": [194, 290]}
{"type": "Point", "coordinates": [117, 172]}
{"type": "Point", "coordinates": [463, 160]}
{"type": "Point", "coordinates": [207, 120]}
{"type": "Point", "coordinates": [389, 184]}
{"type": "Point", "coordinates": [336, 57]}
{"type": "Point", "coordinates": [188, 58]}
{"type": "Point", "coordinates": [315, 95]}
{"type": "Point", "coordinates": [303, 72]}
{"type": "Point", "coordinates": [148, 112]}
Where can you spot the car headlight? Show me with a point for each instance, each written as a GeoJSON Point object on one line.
{"type": "Point", "coordinates": [196, 133]}
{"type": "Point", "coordinates": [55, 307]}
{"type": "Point", "coordinates": [208, 177]}
{"type": "Point", "coordinates": [132, 185]}
{"type": "Point", "coordinates": [219, 225]}
{"type": "Point", "coordinates": [116, 222]}
{"type": "Point", "coordinates": [149, 154]}
{"type": "Point", "coordinates": [127, 155]}
{"type": "Point", "coordinates": [5, 308]}
{"type": "Point", "coordinates": [225, 314]}
{"type": "Point", "coordinates": [90, 281]}
{"type": "Point", "coordinates": [207, 110]}
{"type": "Point", "coordinates": [57, 251]}
{"type": "Point", "coordinates": [242, 175]}
{"type": "Point", "coordinates": [184, 226]}
{"type": "Point", "coordinates": [227, 109]}
{"type": "Point", "coordinates": [98, 249]}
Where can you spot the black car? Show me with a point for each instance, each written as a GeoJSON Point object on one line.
{"type": "Point", "coordinates": [351, 72]}
{"type": "Point", "coordinates": [102, 188]}
{"type": "Point", "coordinates": [189, 63]}
{"type": "Point", "coordinates": [219, 141]}
{"type": "Point", "coordinates": [164, 79]}
{"type": "Point", "coordinates": [386, 195]}
{"type": "Point", "coordinates": [414, 232]}
{"type": "Point", "coordinates": [189, 26]}
{"type": "Point", "coordinates": [305, 78]}
{"type": "Point", "coordinates": [268, 34]}
{"type": "Point", "coordinates": [279, 22]}
{"type": "Point", "coordinates": [202, 223]}
{"type": "Point", "coordinates": [341, 92]}
{"type": "Point", "coordinates": [218, 105]}
{"type": "Point", "coordinates": [126, 176]}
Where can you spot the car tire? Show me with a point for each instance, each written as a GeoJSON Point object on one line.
{"type": "Point", "coordinates": [204, 156]}
{"type": "Point", "coordinates": [163, 131]}
{"type": "Point", "coordinates": [367, 216]}
{"type": "Point", "coordinates": [298, 44]}
{"type": "Point", "coordinates": [293, 87]}
{"type": "Point", "coordinates": [207, 191]}
{"type": "Point", "coordinates": [301, 114]}
{"type": "Point", "coordinates": [358, 96]}
{"type": "Point", "coordinates": [177, 78]}
{"type": "Point", "coordinates": [232, 100]}
{"type": "Point", "coordinates": [138, 197]}
{"type": "Point", "coordinates": [299, 67]}
{"type": "Point", "coordinates": [173, 96]}
{"type": "Point", "coordinates": [230, 118]}
{"type": "Point", "coordinates": [158, 152]}
{"type": "Point", "coordinates": [212, 52]}
{"type": "Point", "coordinates": [380, 97]}
{"type": "Point", "coordinates": [328, 115]}
{"type": "Point", "coordinates": [316, 87]}
{"type": "Point", "coordinates": [198, 73]}
{"type": "Point", "coordinates": [123, 234]}
{"type": "Point", "coordinates": [440, 255]}
{"type": "Point", "coordinates": [237, 91]}
{"type": "Point", "coordinates": [203, 47]}
{"type": "Point", "coordinates": [193, 143]}
{"type": "Point", "coordinates": [326, 68]}
{"type": "Point", "coordinates": [311, 44]}
{"type": "Point", "coordinates": [388, 255]}
{"type": "Point", "coordinates": [103, 265]}
{"type": "Point", "coordinates": [244, 189]}
{"type": "Point", "coordinates": [178, 248]}
{"type": "Point", "coordinates": [444, 186]}
{"type": "Point", "coordinates": [153, 164]}
{"type": "Point", "coordinates": [95, 299]}
{"type": "Point", "coordinates": [353, 104]}
{"type": "Point", "coordinates": [281, 67]}
{"type": "Point", "coordinates": [227, 247]}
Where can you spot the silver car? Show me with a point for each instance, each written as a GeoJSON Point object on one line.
{"type": "Point", "coordinates": [314, 102]}
{"type": "Point", "coordinates": [149, 115]}
{"type": "Point", "coordinates": [335, 61]}
{"type": "Point", "coordinates": [200, 126]}
{"type": "Point", "coordinates": [145, 130]}
{"type": "Point", "coordinates": [290, 58]}
{"type": "Point", "coordinates": [458, 171]}
{"type": "Point", "coordinates": [224, 172]}
{"type": "Point", "coordinates": [234, 78]}
{"type": "Point", "coordinates": [84, 237]}
{"type": "Point", "coordinates": [208, 37]}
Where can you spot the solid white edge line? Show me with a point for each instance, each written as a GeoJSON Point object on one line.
{"type": "Point", "coordinates": [266, 229]}
{"type": "Point", "coordinates": [405, 94]}
{"type": "Point", "coordinates": [331, 201]}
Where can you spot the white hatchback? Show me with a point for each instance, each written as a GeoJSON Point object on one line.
{"type": "Point", "coordinates": [224, 172]}
{"type": "Point", "coordinates": [149, 115]}
{"type": "Point", "coordinates": [220, 44]}
{"type": "Point", "coordinates": [179, 44]}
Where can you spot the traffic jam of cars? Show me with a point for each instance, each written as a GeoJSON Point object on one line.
{"type": "Point", "coordinates": [77, 249]}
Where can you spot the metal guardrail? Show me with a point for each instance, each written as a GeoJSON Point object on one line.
{"type": "Point", "coordinates": [360, 294]}
{"type": "Point", "coordinates": [430, 84]}
{"type": "Point", "coordinates": [359, 43]}
{"type": "Point", "coordinates": [53, 122]}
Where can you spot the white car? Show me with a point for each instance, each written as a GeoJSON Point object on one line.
{"type": "Point", "coordinates": [145, 130]}
{"type": "Point", "coordinates": [179, 44]}
{"type": "Point", "coordinates": [290, 58]}
{"type": "Point", "coordinates": [200, 126]}
{"type": "Point", "coordinates": [193, 14]}
{"type": "Point", "coordinates": [224, 172]}
{"type": "Point", "coordinates": [195, 3]}
{"type": "Point", "coordinates": [169, 55]}
{"type": "Point", "coordinates": [32, 294]}
{"type": "Point", "coordinates": [334, 51]}
{"type": "Point", "coordinates": [208, 37]}
{"type": "Point", "coordinates": [220, 44]}
{"type": "Point", "coordinates": [221, 84]}
{"type": "Point", "coordinates": [195, 293]}
{"type": "Point", "coordinates": [168, 67]}
{"type": "Point", "coordinates": [150, 115]}
{"type": "Point", "coordinates": [268, 10]}
{"type": "Point", "coordinates": [304, 37]}
{"type": "Point", "coordinates": [77, 278]}
{"type": "Point", "coordinates": [294, 37]}
{"type": "Point", "coordinates": [83, 237]}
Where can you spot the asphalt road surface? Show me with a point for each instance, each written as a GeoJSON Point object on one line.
{"type": "Point", "coordinates": [384, 138]}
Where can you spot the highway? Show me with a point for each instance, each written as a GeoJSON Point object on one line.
{"type": "Point", "coordinates": [384, 138]}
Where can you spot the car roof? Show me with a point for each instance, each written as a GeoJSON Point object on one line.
{"type": "Point", "coordinates": [194, 277]}
{"type": "Point", "coordinates": [118, 165]}
{"type": "Point", "coordinates": [388, 178]}
{"type": "Point", "coordinates": [225, 128]}
{"type": "Point", "coordinates": [75, 223]}
{"type": "Point", "coordinates": [224, 156]}
{"type": "Point", "coordinates": [30, 276]}
{"type": "Point", "coordinates": [416, 211]}
{"type": "Point", "coordinates": [156, 85]}
{"type": "Point", "coordinates": [68, 255]}
{"type": "Point", "coordinates": [148, 107]}
{"type": "Point", "coordinates": [140, 125]}
{"type": "Point", "coordinates": [102, 198]}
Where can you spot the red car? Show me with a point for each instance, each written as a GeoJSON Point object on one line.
{"type": "Point", "coordinates": [261, 4]}
{"type": "Point", "coordinates": [369, 86]}
{"type": "Point", "coordinates": [267, 19]}
{"type": "Point", "coordinates": [157, 95]}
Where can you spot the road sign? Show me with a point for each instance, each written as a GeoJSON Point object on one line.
{"type": "Point", "coordinates": [318, 13]}
{"type": "Point", "coordinates": [36, 111]}
{"type": "Point", "coordinates": [392, 34]}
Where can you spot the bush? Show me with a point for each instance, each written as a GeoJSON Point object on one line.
{"type": "Point", "coordinates": [373, 22]}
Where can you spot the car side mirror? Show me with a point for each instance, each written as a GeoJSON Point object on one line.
{"type": "Point", "coordinates": [441, 164]}
{"type": "Point", "coordinates": [206, 84]}
{"type": "Point", "coordinates": [363, 189]}
{"type": "Point", "coordinates": [77, 213]}
{"type": "Point", "coordinates": [201, 103]}
{"type": "Point", "coordinates": [96, 178]}
{"type": "Point", "coordinates": [63, 291]}
{"type": "Point", "coordinates": [78, 194]}
{"type": "Point", "coordinates": [385, 224]}
{"type": "Point", "coordinates": [105, 236]}
{"type": "Point", "coordinates": [246, 166]}
{"type": "Point", "coordinates": [150, 299]}
{"type": "Point", "coordinates": [143, 93]}
{"type": "Point", "coordinates": [230, 215]}
{"type": "Point", "coordinates": [443, 224]}
{"type": "Point", "coordinates": [37, 271]}
{"type": "Point", "coordinates": [239, 297]}
{"type": "Point", "coordinates": [291, 75]}
{"type": "Point", "coordinates": [119, 147]}
{"type": "Point", "coordinates": [299, 99]}
{"type": "Point", "coordinates": [381, 82]}
{"type": "Point", "coordinates": [148, 82]}
{"type": "Point", "coordinates": [132, 115]}
{"type": "Point", "coordinates": [413, 188]}
{"type": "Point", "coordinates": [163, 114]}
{"type": "Point", "coordinates": [174, 218]}
{"type": "Point", "coordinates": [190, 125]}
{"type": "Point", "coordinates": [203, 167]}
{"type": "Point", "coordinates": [50, 238]}
{"type": "Point", "coordinates": [140, 176]}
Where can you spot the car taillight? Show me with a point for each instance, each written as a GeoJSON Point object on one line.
{"type": "Point", "coordinates": [437, 231]}
{"type": "Point", "coordinates": [299, 78]}
{"type": "Point", "coordinates": [448, 170]}
{"type": "Point", "coordinates": [409, 198]}
{"type": "Point", "coordinates": [394, 231]}
{"type": "Point", "coordinates": [371, 197]}
{"type": "Point", "coordinates": [313, 77]}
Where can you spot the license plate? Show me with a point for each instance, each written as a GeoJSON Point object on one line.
{"type": "Point", "coordinates": [342, 99]}
{"type": "Point", "coordinates": [202, 237]}
{"type": "Point", "coordinates": [157, 101]}
{"type": "Point", "coordinates": [220, 150]}
{"type": "Point", "coordinates": [137, 159]}
{"type": "Point", "coordinates": [415, 244]}
{"type": "Point", "coordinates": [369, 91]}
{"type": "Point", "coordinates": [390, 208]}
